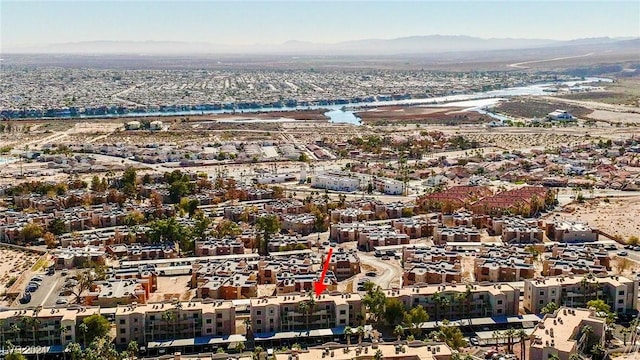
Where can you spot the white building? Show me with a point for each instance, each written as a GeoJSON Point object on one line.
{"type": "Point", "coordinates": [337, 181]}
{"type": "Point", "coordinates": [133, 125]}
{"type": "Point", "coordinates": [156, 125]}
{"type": "Point", "coordinates": [560, 115]}
{"type": "Point", "coordinates": [389, 186]}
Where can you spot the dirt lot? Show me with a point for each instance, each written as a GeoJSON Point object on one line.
{"type": "Point", "coordinates": [420, 114]}
{"type": "Point", "coordinates": [14, 262]}
{"type": "Point", "coordinates": [531, 108]}
{"type": "Point", "coordinates": [625, 91]}
{"type": "Point", "coordinates": [618, 217]}
{"type": "Point", "coordinates": [612, 116]}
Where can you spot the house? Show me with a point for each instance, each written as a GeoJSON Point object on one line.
{"type": "Point", "coordinates": [560, 115]}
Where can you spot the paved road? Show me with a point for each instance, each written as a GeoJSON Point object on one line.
{"type": "Point", "coordinates": [388, 275]}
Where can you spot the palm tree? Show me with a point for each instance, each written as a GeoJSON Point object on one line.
{"type": "Point", "coordinates": [398, 331]}
{"type": "Point", "coordinates": [497, 335]}
{"type": "Point", "coordinates": [523, 336]}
{"type": "Point", "coordinates": [437, 300]}
{"type": "Point", "coordinates": [83, 329]}
{"type": "Point", "coordinates": [378, 355]}
{"type": "Point", "coordinates": [74, 349]}
{"type": "Point", "coordinates": [347, 332]}
{"type": "Point", "coordinates": [16, 330]}
{"type": "Point", "coordinates": [585, 337]}
{"type": "Point", "coordinates": [169, 317]}
{"type": "Point", "coordinates": [303, 308]}
{"type": "Point", "coordinates": [509, 334]}
{"type": "Point", "coordinates": [360, 332]}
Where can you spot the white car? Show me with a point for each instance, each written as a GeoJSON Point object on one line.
{"type": "Point", "coordinates": [62, 301]}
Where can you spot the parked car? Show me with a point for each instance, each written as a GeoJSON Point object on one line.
{"type": "Point", "coordinates": [25, 298]}
{"type": "Point", "coordinates": [623, 253]}
{"type": "Point", "coordinates": [371, 273]}
{"type": "Point", "coordinates": [62, 301]}
{"type": "Point", "coordinates": [51, 271]}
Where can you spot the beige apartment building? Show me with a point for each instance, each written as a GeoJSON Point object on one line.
{"type": "Point", "coordinates": [57, 326]}
{"type": "Point", "coordinates": [560, 333]}
{"type": "Point", "coordinates": [460, 301]}
{"type": "Point", "coordinates": [285, 312]}
{"type": "Point", "coordinates": [182, 320]}
{"type": "Point", "coordinates": [619, 292]}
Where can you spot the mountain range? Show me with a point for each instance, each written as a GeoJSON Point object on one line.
{"type": "Point", "coordinates": [429, 44]}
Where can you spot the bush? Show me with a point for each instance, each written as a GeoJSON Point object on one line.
{"type": "Point", "coordinates": [11, 281]}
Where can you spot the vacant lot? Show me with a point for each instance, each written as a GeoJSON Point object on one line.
{"type": "Point", "coordinates": [531, 108]}
{"type": "Point", "coordinates": [618, 217]}
{"type": "Point", "coordinates": [13, 263]}
{"type": "Point", "coordinates": [420, 114]}
{"type": "Point", "coordinates": [625, 91]}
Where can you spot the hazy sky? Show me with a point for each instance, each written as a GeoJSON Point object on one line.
{"type": "Point", "coordinates": [240, 22]}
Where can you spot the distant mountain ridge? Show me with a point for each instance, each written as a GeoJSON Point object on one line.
{"type": "Point", "coordinates": [404, 45]}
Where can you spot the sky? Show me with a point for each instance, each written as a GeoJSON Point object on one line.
{"type": "Point", "coordinates": [26, 23]}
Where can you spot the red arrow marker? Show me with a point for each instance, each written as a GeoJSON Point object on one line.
{"type": "Point", "coordinates": [319, 286]}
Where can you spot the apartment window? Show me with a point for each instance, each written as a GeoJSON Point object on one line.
{"type": "Point", "coordinates": [270, 321]}
{"type": "Point", "coordinates": [208, 331]}
{"type": "Point", "coordinates": [258, 312]}
{"type": "Point", "coordinates": [499, 311]}
{"type": "Point", "coordinates": [481, 297]}
{"type": "Point", "coordinates": [326, 307]}
{"type": "Point", "coordinates": [286, 309]}
{"type": "Point", "coordinates": [541, 302]}
{"type": "Point", "coordinates": [541, 292]}
{"type": "Point", "coordinates": [343, 312]}
{"type": "Point", "coordinates": [350, 306]}
{"type": "Point", "coordinates": [123, 340]}
{"type": "Point", "coordinates": [621, 301]}
{"type": "Point", "coordinates": [499, 302]}
{"type": "Point", "coordinates": [68, 337]}
{"type": "Point", "coordinates": [342, 321]}
{"type": "Point", "coordinates": [122, 321]}
{"type": "Point", "coordinates": [208, 321]}
{"type": "Point", "coordinates": [621, 293]}
{"type": "Point", "coordinates": [135, 320]}
{"type": "Point", "coordinates": [195, 316]}
{"type": "Point", "coordinates": [123, 330]}
{"type": "Point", "coordinates": [152, 317]}
{"type": "Point", "coordinates": [219, 316]}
{"type": "Point", "coordinates": [219, 325]}
{"type": "Point", "coordinates": [258, 321]}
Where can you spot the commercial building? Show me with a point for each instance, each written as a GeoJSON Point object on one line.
{"type": "Point", "coordinates": [336, 181]}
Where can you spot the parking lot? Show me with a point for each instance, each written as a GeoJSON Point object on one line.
{"type": "Point", "coordinates": [47, 293]}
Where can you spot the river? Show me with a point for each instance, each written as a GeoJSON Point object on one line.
{"type": "Point", "coordinates": [346, 113]}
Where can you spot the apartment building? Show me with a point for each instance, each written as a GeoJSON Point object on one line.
{"type": "Point", "coordinates": [432, 254]}
{"type": "Point", "coordinates": [443, 234]}
{"type": "Point", "coordinates": [414, 228]}
{"type": "Point", "coordinates": [432, 273]}
{"type": "Point", "coordinates": [570, 231]}
{"type": "Point", "coordinates": [344, 264]}
{"type": "Point", "coordinates": [516, 230]}
{"type": "Point", "coordinates": [619, 292]}
{"type": "Point", "coordinates": [460, 301]}
{"type": "Point", "coordinates": [57, 326]}
{"type": "Point", "coordinates": [211, 246]}
{"type": "Point", "coordinates": [285, 313]}
{"type": "Point", "coordinates": [350, 215]}
{"type": "Point", "coordinates": [499, 270]}
{"type": "Point", "coordinates": [336, 181]}
{"type": "Point", "coordinates": [287, 283]}
{"type": "Point", "coordinates": [560, 333]}
{"type": "Point", "coordinates": [180, 320]}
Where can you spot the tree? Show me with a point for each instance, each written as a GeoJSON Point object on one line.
{"type": "Point", "coordinates": [509, 335]}
{"type": "Point", "coordinates": [97, 326]}
{"type": "Point", "coordinates": [240, 346]}
{"type": "Point", "coordinates": [133, 218]}
{"type": "Point", "coordinates": [550, 308]}
{"type": "Point", "coordinates": [633, 240]}
{"type": "Point", "coordinates": [50, 240]}
{"type": "Point", "coordinates": [31, 232]}
{"type": "Point", "coordinates": [374, 300]}
{"type": "Point", "coordinates": [226, 228]}
{"type": "Point", "coordinates": [451, 335]}
{"type": "Point", "coordinates": [128, 181]}
{"type": "Point", "coordinates": [523, 336]}
{"type": "Point", "coordinates": [597, 351]}
{"type": "Point", "coordinates": [57, 226]}
{"type": "Point", "coordinates": [133, 348]}
{"type": "Point", "coordinates": [360, 332]}
{"type": "Point", "coordinates": [267, 226]}
{"type": "Point", "coordinates": [393, 311]}
{"type": "Point", "coordinates": [75, 350]}
{"type": "Point", "coordinates": [348, 331]}
{"type": "Point", "coordinates": [201, 225]}
{"type": "Point", "coordinates": [378, 355]}
{"type": "Point", "coordinates": [83, 328]}
{"type": "Point", "coordinates": [14, 355]}
{"type": "Point", "coordinates": [554, 356]}
{"type": "Point", "coordinates": [189, 206]}
{"type": "Point", "coordinates": [415, 317]}
{"type": "Point", "coordinates": [398, 331]}
{"type": "Point", "coordinates": [575, 356]}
